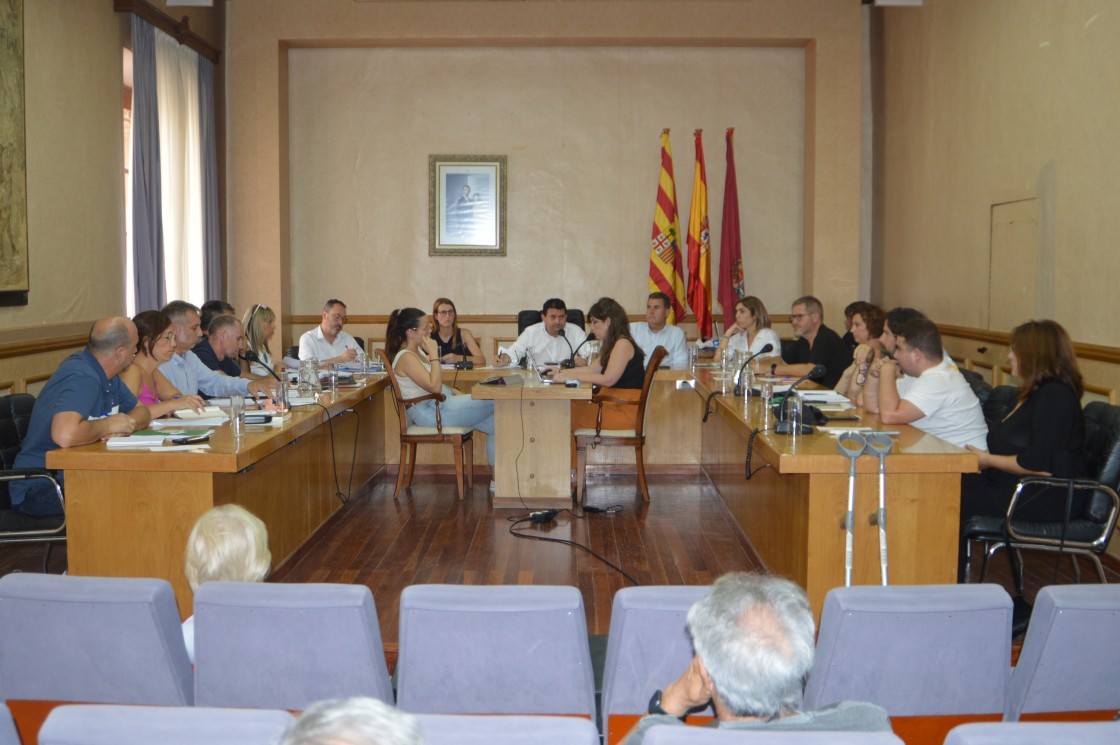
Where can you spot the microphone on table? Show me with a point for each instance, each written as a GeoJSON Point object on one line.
{"type": "Point", "coordinates": [590, 337]}
{"type": "Point", "coordinates": [739, 378]}
{"type": "Point", "coordinates": [250, 356]}
{"type": "Point", "coordinates": [571, 361]}
{"type": "Point", "coordinates": [783, 427]}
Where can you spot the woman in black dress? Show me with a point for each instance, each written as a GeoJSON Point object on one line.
{"type": "Point", "coordinates": [1042, 436]}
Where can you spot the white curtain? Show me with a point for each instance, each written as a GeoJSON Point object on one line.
{"type": "Point", "coordinates": [180, 169]}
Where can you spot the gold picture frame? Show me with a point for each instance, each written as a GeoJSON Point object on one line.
{"type": "Point", "coordinates": [466, 205]}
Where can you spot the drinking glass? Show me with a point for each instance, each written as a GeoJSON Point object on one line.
{"type": "Point", "coordinates": [237, 415]}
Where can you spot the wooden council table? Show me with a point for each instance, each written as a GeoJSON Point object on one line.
{"type": "Point", "coordinates": [129, 512]}
{"type": "Point", "coordinates": [792, 509]}
{"type": "Point", "coordinates": [533, 434]}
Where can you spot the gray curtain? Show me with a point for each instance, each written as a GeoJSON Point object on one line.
{"type": "Point", "coordinates": [211, 237]}
{"type": "Point", "coordinates": [147, 209]}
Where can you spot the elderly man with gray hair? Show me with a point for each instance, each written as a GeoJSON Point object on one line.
{"type": "Point", "coordinates": [754, 645]}
{"type": "Point", "coordinates": [354, 721]}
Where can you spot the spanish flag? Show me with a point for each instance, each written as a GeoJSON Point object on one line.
{"type": "Point", "coordinates": [699, 255]}
{"type": "Point", "coordinates": [665, 274]}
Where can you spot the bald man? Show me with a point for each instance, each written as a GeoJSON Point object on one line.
{"type": "Point", "coordinates": [83, 402]}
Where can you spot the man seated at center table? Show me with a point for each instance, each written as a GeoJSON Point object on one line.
{"type": "Point", "coordinates": [656, 331]}
{"type": "Point", "coordinates": [545, 340]}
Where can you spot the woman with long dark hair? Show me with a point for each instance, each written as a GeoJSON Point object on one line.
{"type": "Point", "coordinates": [415, 355]}
{"type": "Point", "coordinates": [1044, 433]}
{"type": "Point", "coordinates": [455, 344]}
{"type": "Point", "coordinates": [155, 345]}
{"type": "Point", "coordinates": [620, 367]}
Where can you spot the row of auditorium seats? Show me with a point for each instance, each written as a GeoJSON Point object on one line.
{"type": "Point", "coordinates": [140, 725]}
{"type": "Point", "coordinates": [916, 651]}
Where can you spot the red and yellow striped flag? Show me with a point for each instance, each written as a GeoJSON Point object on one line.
{"type": "Point", "coordinates": [699, 255]}
{"type": "Point", "coordinates": [665, 274]}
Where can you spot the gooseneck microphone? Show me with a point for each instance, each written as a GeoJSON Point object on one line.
{"type": "Point", "coordinates": [250, 356]}
{"type": "Point", "coordinates": [590, 337]}
{"type": "Point", "coordinates": [739, 378]}
{"type": "Point", "coordinates": [783, 427]}
{"type": "Point", "coordinates": [571, 361]}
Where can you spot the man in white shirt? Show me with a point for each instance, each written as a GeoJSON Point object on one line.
{"type": "Point", "coordinates": [545, 340]}
{"type": "Point", "coordinates": [937, 398]}
{"type": "Point", "coordinates": [327, 342]}
{"type": "Point", "coordinates": [187, 372]}
{"type": "Point", "coordinates": [657, 331]}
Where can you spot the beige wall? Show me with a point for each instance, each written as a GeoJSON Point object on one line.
{"type": "Point", "coordinates": [75, 187]}
{"type": "Point", "coordinates": [269, 265]}
{"type": "Point", "coordinates": [986, 102]}
{"type": "Point", "coordinates": [580, 128]}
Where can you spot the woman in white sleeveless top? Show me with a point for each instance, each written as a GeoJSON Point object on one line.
{"type": "Point", "coordinates": [409, 343]}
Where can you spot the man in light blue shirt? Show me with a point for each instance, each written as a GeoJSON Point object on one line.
{"type": "Point", "coordinates": [186, 371]}
{"type": "Point", "coordinates": [658, 331]}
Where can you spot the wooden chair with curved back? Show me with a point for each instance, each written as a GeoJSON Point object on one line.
{"type": "Point", "coordinates": [460, 438]}
{"type": "Point", "coordinates": [634, 438]}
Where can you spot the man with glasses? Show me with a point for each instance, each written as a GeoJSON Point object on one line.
{"type": "Point", "coordinates": [816, 344]}
{"type": "Point", "coordinates": [327, 342]}
{"type": "Point", "coordinates": [83, 402]}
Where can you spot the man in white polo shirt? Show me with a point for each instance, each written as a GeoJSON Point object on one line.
{"type": "Point", "coordinates": [657, 331]}
{"type": "Point", "coordinates": [937, 399]}
{"type": "Point", "coordinates": [327, 342]}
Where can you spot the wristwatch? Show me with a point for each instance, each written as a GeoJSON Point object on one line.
{"type": "Point", "coordinates": [655, 706]}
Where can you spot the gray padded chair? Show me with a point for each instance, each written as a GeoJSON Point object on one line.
{"type": "Point", "coordinates": [8, 734]}
{"type": "Point", "coordinates": [664, 734]}
{"type": "Point", "coordinates": [495, 649]}
{"type": "Point", "coordinates": [648, 646]}
{"type": "Point", "coordinates": [92, 639]}
{"type": "Point", "coordinates": [285, 646]}
{"type": "Point", "coordinates": [1070, 659]}
{"type": "Point", "coordinates": [451, 729]}
{"type": "Point", "coordinates": [1035, 733]}
{"type": "Point", "coordinates": [166, 725]}
{"type": "Point", "coordinates": [914, 650]}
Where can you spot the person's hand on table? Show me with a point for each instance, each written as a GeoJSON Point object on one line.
{"type": "Point", "coordinates": [193, 402]}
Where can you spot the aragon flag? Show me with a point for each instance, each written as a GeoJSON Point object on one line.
{"type": "Point", "coordinates": [699, 253]}
{"type": "Point", "coordinates": [665, 273]}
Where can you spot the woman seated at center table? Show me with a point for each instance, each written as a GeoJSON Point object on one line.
{"type": "Point", "coordinates": [455, 344]}
{"type": "Point", "coordinates": [620, 368]}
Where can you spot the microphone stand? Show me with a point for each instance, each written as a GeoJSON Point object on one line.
{"type": "Point", "coordinates": [252, 356]}
{"type": "Point", "coordinates": [571, 361]}
{"type": "Point", "coordinates": [783, 427]}
{"type": "Point", "coordinates": [739, 377]}
{"type": "Point", "coordinates": [579, 346]}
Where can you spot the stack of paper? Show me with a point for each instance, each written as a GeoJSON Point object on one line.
{"type": "Point", "coordinates": [147, 438]}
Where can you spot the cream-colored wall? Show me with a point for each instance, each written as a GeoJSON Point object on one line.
{"type": "Point", "coordinates": [75, 187]}
{"type": "Point", "coordinates": [580, 128]}
{"type": "Point", "coordinates": [260, 89]}
{"type": "Point", "coordinates": [983, 101]}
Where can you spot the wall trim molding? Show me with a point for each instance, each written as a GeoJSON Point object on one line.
{"type": "Point", "coordinates": [1097, 352]}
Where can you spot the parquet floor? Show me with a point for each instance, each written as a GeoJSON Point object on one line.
{"type": "Point", "coordinates": [683, 536]}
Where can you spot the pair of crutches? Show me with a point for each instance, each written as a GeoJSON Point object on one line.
{"type": "Point", "coordinates": [853, 445]}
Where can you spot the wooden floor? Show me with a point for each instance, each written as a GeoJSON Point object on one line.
{"type": "Point", "coordinates": [683, 536]}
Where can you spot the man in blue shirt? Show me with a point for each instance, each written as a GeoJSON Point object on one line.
{"type": "Point", "coordinates": [83, 402]}
{"type": "Point", "coordinates": [657, 331]}
{"type": "Point", "coordinates": [186, 372]}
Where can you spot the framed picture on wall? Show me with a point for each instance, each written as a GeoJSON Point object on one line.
{"type": "Point", "coordinates": [466, 205]}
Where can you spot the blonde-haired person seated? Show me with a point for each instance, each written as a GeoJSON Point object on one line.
{"type": "Point", "coordinates": [227, 544]}
{"type": "Point", "coordinates": [260, 327]}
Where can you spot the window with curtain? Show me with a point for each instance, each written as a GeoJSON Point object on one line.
{"type": "Point", "coordinates": [172, 235]}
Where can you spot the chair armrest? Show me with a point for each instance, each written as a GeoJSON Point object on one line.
{"type": "Point", "coordinates": [602, 398]}
{"type": "Point", "coordinates": [428, 397]}
{"type": "Point", "coordinates": [1064, 486]}
{"type": "Point", "coordinates": [26, 474]}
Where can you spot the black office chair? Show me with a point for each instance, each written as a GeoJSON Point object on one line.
{"type": "Point", "coordinates": [293, 351]}
{"type": "Point", "coordinates": [16, 527]}
{"type": "Point", "coordinates": [527, 318]}
{"type": "Point", "coordinates": [980, 387]}
{"type": "Point", "coordinates": [361, 343]}
{"type": "Point", "coordinates": [1085, 532]}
